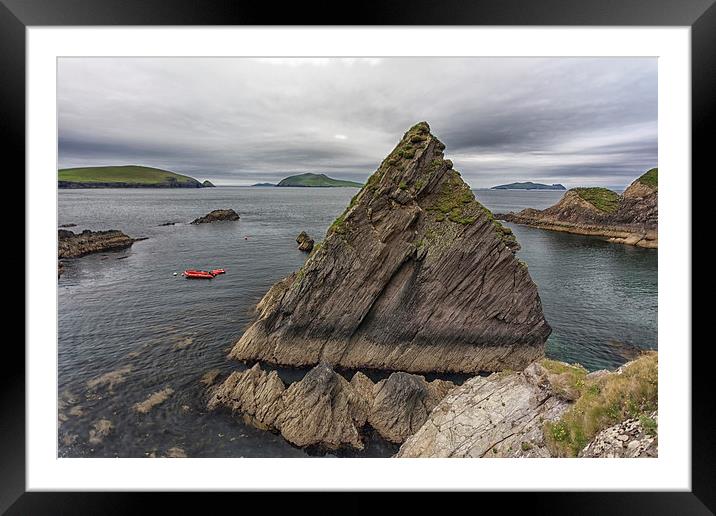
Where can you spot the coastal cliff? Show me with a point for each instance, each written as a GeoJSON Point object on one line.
{"type": "Point", "coordinates": [630, 218]}
{"type": "Point", "coordinates": [416, 275]}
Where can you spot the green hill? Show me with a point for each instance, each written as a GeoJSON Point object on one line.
{"type": "Point", "coordinates": [316, 180]}
{"type": "Point", "coordinates": [127, 176]}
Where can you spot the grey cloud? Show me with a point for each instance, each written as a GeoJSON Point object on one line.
{"type": "Point", "coordinates": [238, 121]}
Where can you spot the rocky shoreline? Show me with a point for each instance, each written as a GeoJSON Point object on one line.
{"type": "Point", "coordinates": [630, 218]}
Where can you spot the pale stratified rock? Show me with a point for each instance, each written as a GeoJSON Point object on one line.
{"type": "Point", "coordinates": [501, 415]}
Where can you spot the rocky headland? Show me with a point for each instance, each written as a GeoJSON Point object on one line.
{"type": "Point", "coordinates": [630, 218]}
{"type": "Point", "coordinates": [217, 216]}
{"type": "Point", "coordinates": [416, 275]}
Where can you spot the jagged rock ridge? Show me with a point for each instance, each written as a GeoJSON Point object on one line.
{"type": "Point", "coordinates": [415, 275]}
{"type": "Point", "coordinates": [324, 409]}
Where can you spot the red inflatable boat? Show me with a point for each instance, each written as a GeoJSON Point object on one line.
{"type": "Point", "coordinates": [217, 271]}
{"type": "Point", "coordinates": [191, 273]}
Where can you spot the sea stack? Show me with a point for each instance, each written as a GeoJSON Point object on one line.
{"type": "Point", "coordinates": [415, 275]}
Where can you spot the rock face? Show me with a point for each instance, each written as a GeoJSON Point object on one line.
{"type": "Point", "coordinates": [551, 409]}
{"type": "Point", "coordinates": [217, 215]}
{"type": "Point", "coordinates": [71, 245]}
{"type": "Point", "coordinates": [415, 275]}
{"type": "Point", "coordinates": [323, 409]}
{"type": "Point", "coordinates": [305, 242]}
{"type": "Point", "coordinates": [627, 439]}
{"type": "Point", "coordinates": [498, 416]}
{"type": "Point", "coordinates": [402, 403]}
{"type": "Point", "coordinates": [631, 218]}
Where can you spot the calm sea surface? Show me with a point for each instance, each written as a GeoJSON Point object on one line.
{"type": "Point", "coordinates": [126, 313]}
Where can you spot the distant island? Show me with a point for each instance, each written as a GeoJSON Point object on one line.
{"type": "Point", "coordinates": [126, 176]}
{"type": "Point", "coordinates": [316, 180]}
{"type": "Point", "coordinates": [529, 185]}
{"type": "Point", "coordinates": [264, 184]}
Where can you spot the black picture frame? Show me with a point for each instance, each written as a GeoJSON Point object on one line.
{"type": "Point", "coordinates": [17, 15]}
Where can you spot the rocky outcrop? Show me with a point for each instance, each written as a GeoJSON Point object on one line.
{"type": "Point", "coordinates": [305, 242]}
{"type": "Point", "coordinates": [401, 404]}
{"type": "Point", "coordinates": [71, 245]}
{"type": "Point", "coordinates": [501, 415]}
{"type": "Point", "coordinates": [216, 216]}
{"type": "Point", "coordinates": [630, 218]}
{"type": "Point", "coordinates": [415, 275]}
{"type": "Point", "coordinates": [632, 438]}
{"type": "Point", "coordinates": [323, 409]}
{"type": "Point", "coordinates": [208, 184]}
{"type": "Point", "coordinates": [551, 409]}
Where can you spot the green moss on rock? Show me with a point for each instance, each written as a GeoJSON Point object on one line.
{"type": "Point", "coordinates": [650, 178]}
{"type": "Point", "coordinates": [601, 198]}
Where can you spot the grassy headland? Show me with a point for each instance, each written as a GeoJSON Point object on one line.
{"type": "Point", "coordinates": [127, 176]}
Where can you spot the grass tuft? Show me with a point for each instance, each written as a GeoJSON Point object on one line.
{"type": "Point", "coordinates": [603, 402]}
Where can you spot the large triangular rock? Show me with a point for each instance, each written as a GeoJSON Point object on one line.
{"type": "Point", "coordinates": [415, 275]}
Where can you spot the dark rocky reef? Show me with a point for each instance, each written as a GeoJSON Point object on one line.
{"type": "Point", "coordinates": [325, 410]}
{"type": "Point", "coordinates": [216, 216]}
{"type": "Point", "coordinates": [72, 245]}
{"type": "Point", "coordinates": [630, 218]}
{"type": "Point", "coordinates": [416, 275]}
{"type": "Point", "coordinates": [305, 242]}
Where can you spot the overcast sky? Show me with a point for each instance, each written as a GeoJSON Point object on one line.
{"type": "Point", "coordinates": [575, 121]}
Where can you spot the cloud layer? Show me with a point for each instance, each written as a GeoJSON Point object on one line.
{"type": "Point", "coordinates": [576, 121]}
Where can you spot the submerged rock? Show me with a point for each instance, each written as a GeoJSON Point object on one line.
{"type": "Point", "coordinates": [100, 429]}
{"type": "Point", "coordinates": [630, 218]}
{"type": "Point", "coordinates": [71, 245]}
{"type": "Point", "coordinates": [305, 242]}
{"type": "Point", "coordinates": [216, 216]}
{"type": "Point", "coordinates": [110, 380]}
{"type": "Point", "coordinates": [154, 399]}
{"type": "Point", "coordinates": [415, 276]}
{"type": "Point", "coordinates": [324, 409]}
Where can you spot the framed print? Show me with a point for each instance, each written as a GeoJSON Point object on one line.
{"type": "Point", "coordinates": [423, 245]}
